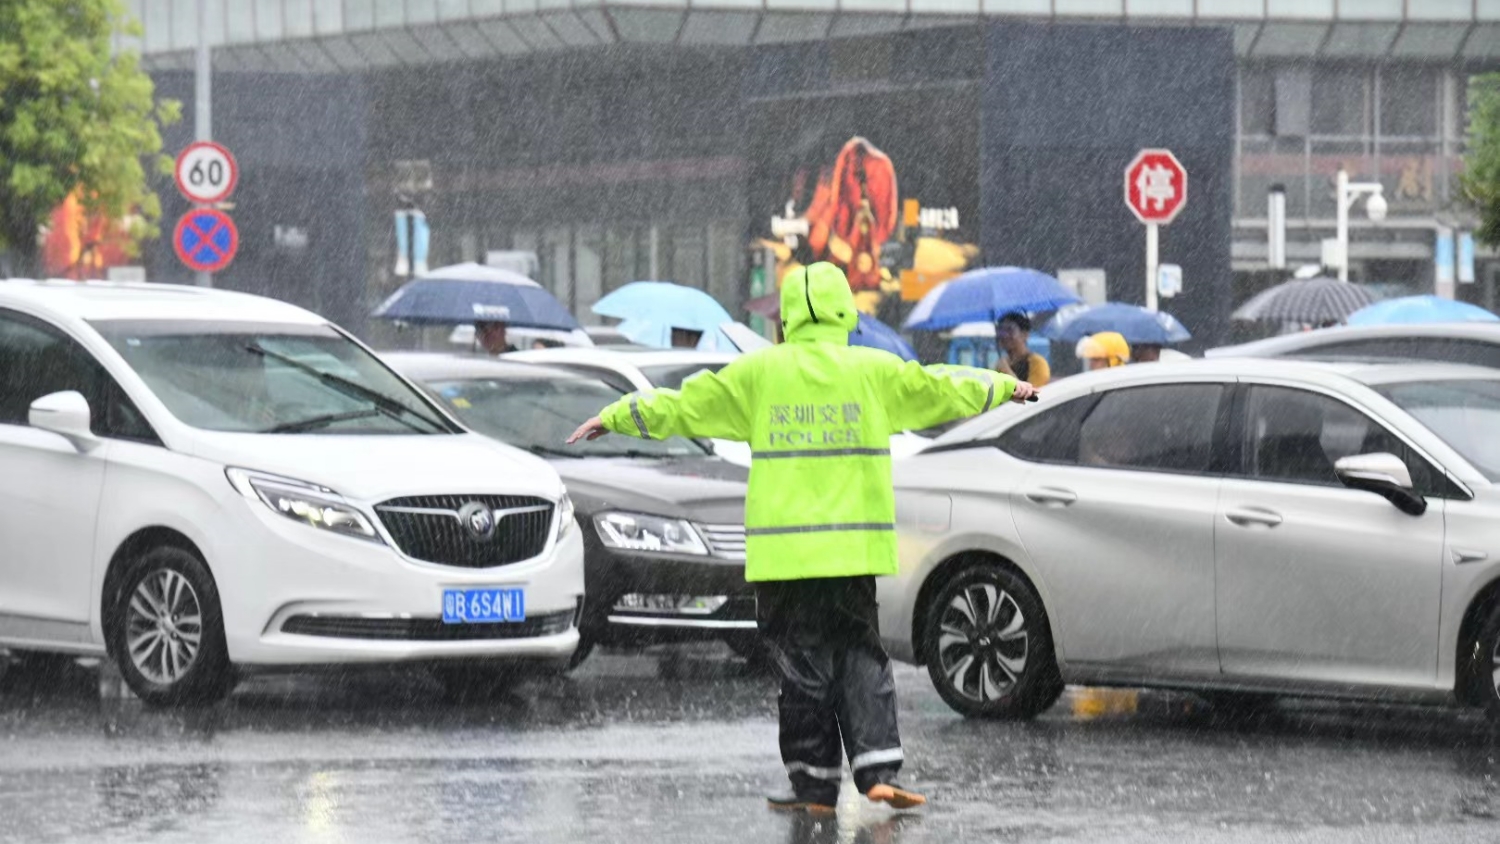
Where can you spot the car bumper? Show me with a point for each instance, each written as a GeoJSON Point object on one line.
{"type": "Point", "coordinates": [612, 575]}
{"type": "Point", "coordinates": [294, 595]}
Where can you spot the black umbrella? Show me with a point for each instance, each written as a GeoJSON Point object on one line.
{"type": "Point", "coordinates": [1313, 300]}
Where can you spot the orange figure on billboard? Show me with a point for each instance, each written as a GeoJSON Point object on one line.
{"type": "Point", "coordinates": [80, 245]}
{"type": "Point", "coordinates": [854, 212]}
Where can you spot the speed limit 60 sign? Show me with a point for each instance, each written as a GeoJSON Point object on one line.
{"type": "Point", "coordinates": [206, 172]}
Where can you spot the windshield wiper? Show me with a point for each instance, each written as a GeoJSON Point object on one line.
{"type": "Point", "coordinates": [638, 454]}
{"type": "Point", "coordinates": [549, 451]}
{"type": "Point", "coordinates": [383, 403]}
{"type": "Point", "coordinates": [321, 421]}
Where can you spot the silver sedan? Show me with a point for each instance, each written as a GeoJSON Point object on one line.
{"type": "Point", "coordinates": [1244, 528]}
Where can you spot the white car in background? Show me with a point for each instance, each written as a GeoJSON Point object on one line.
{"type": "Point", "coordinates": [1244, 527]}
{"type": "Point", "coordinates": [629, 369]}
{"type": "Point", "coordinates": [195, 481]}
{"type": "Point", "coordinates": [640, 368]}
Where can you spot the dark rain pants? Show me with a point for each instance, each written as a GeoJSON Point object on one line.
{"type": "Point", "coordinates": [836, 683]}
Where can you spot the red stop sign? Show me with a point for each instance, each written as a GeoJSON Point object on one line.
{"type": "Point", "coordinates": [1155, 186]}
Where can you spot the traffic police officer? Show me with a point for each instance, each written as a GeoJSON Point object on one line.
{"type": "Point", "coordinates": [820, 516]}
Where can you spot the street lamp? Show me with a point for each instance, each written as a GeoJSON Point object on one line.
{"type": "Point", "coordinates": [1346, 193]}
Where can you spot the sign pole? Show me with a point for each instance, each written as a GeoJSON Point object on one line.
{"type": "Point", "coordinates": [203, 99]}
{"type": "Point", "coordinates": [1151, 266]}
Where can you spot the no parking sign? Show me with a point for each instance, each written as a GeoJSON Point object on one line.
{"type": "Point", "coordinates": [206, 239]}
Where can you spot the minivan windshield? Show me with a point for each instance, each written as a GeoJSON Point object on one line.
{"type": "Point", "coordinates": [537, 414]}
{"type": "Point", "coordinates": [1465, 413]}
{"type": "Point", "coordinates": [269, 379]}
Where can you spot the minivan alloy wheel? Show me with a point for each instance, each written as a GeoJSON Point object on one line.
{"type": "Point", "coordinates": [983, 644]}
{"type": "Point", "coordinates": [164, 626]}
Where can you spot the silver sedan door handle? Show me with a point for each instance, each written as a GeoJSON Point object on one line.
{"type": "Point", "coordinates": [1253, 516]}
{"type": "Point", "coordinates": [1052, 496]}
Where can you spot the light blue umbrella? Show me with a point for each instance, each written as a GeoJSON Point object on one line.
{"type": "Point", "coordinates": [877, 335]}
{"type": "Point", "coordinates": [664, 303]}
{"type": "Point", "coordinates": [1135, 323]}
{"type": "Point", "coordinates": [1409, 310]}
{"type": "Point", "coordinates": [645, 332]}
{"type": "Point", "coordinates": [467, 293]}
{"type": "Point", "coordinates": [985, 295]}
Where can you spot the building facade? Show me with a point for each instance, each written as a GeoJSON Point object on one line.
{"type": "Point", "coordinates": [623, 141]}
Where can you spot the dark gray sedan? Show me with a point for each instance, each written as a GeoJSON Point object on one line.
{"type": "Point", "coordinates": [662, 520]}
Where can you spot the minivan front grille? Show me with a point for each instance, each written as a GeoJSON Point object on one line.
{"type": "Point", "coordinates": [429, 528]}
{"type": "Point", "coordinates": [727, 541]}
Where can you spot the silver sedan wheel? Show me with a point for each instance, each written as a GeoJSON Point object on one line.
{"type": "Point", "coordinates": [164, 627]}
{"type": "Point", "coordinates": [982, 642]}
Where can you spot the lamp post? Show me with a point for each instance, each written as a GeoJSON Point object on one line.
{"type": "Point", "coordinates": [1346, 193]}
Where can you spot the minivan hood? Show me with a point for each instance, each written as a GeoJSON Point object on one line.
{"type": "Point", "coordinates": [705, 489]}
{"type": "Point", "coordinates": [375, 468]}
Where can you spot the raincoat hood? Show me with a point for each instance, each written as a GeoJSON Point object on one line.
{"type": "Point", "coordinates": [817, 304]}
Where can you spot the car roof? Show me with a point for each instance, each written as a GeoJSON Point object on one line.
{"type": "Point", "coordinates": [1327, 372]}
{"type": "Point", "coordinates": [101, 300]}
{"type": "Point", "coordinates": [641, 356]}
{"type": "Point", "coordinates": [433, 366]}
{"type": "Point", "coordinates": [1486, 332]}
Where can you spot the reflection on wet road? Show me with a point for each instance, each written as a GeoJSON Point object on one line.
{"type": "Point", "coordinates": [679, 746]}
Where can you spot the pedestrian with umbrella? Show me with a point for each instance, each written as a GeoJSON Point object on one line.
{"type": "Point", "coordinates": [1317, 302]}
{"type": "Point", "coordinates": [663, 314]}
{"type": "Point", "coordinates": [819, 517]}
{"type": "Point", "coordinates": [488, 297]}
{"type": "Point", "coordinates": [1012, 332]}
{"type": "Point", "coordinates": [986, 295]}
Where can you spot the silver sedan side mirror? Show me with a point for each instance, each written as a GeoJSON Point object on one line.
{"type": "Point", "coordinates": [1384, 474]}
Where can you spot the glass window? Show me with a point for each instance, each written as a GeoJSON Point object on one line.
{"type": "Point", "coordinates": [1167, 428]}
{"type": "Point", "coordinates": [671, 376]}
{"type": "Point", "coordinates": [269, 379]}
{"type": "Point", "coordinates": [1408, 102]}
{"type": "Point", "coordinates": [1440, 349]}
{"type": "Point", "coordinates": [529, 413]}
{"type": "Point", "coordinates": [1294, 436]}
{"type": "Point", "coordinates": [1257, 102]}
{"type": "Point", "coordinates": [1049, 437]}
{"type": "Point", "coordinates": [1338, 101]}
{"type": "Point", "coordinates": [1466, 414]}
{"type": "Point", "coordinates": [36, 361]}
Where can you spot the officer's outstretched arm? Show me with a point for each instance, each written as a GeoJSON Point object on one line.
{"type": "Point", "coordinates": [710, 404]}
{"type": "Point", "coordinates": [923, 396]}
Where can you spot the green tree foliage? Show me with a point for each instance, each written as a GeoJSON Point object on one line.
{"type": "Point", "coordinates": [73, 116]}
{"type": "Point", "coordinates": [1481, 176]}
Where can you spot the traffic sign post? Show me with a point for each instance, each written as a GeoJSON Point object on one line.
{"type": "Point", "coordinates": [205, 240]}
{"type": "Point", "coordinates": [1155, 191]}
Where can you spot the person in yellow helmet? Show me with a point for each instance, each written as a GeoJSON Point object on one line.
{"type": "Point", "coordinates": [1103, 350]}
{"type": "Point", "coordinates": [820, 517]}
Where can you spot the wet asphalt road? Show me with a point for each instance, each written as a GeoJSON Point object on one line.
{"type": "Point", "coordinates": [678, 745]}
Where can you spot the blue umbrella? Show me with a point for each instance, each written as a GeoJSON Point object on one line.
{"type": "Point", "coordinates": [985, 295]}
{"type": "Point", "coordinates": [666, 304]}
{"type": "Point", "coordinates": [1415, 309]}
{"type": "Point", "coordinates": [877, 335]}
{"type": "Point", "coordinates": [1137, 324]}
{"type": "Point", "coordinates": [465, 293]}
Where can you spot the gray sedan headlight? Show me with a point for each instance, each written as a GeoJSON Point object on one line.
{"type": "Point", "coordinates": [640, 532]}
{"type": "Point", "coordinates": [310, 504]}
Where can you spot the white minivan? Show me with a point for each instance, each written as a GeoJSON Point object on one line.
{"type": "Point", "coordinates": [195, 480]}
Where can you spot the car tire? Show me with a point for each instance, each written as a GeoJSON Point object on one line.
{"type": "Point", "coordinates": [1482, 671]}
{"type": "Point", "coordinates": [165, 630]}
{"type": "Point", "coordinates": [989, 612]}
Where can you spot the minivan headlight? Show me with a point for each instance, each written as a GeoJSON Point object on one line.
{"type": "Point", "coordinates": [308, 503]}
{"type": "Point", "coordinates": [640, 532]}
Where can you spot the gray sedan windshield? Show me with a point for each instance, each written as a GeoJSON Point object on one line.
{"type": "Point", "coordinates": [1466, 414]}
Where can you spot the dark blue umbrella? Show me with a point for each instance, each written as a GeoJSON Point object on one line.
{"type": "Point", "coordinates": [877, 335]}
{"type": "Point", "coordinates": [1134, 322]}
{"type": "Point", "coordinates": [465, 293]}
{"type": "Point", "coordinates": [985, 295]}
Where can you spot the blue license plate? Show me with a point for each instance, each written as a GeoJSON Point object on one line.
{"type": "Point", "coordinates": [483, 606]}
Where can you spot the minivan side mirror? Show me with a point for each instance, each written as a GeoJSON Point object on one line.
{"type": "Point", "coordinates": [1385, 475]}
{"type": "Point", "coordinates": [65, 414]}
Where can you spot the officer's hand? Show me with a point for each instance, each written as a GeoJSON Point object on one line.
{"type": "Point", "coordinates": [1025, 392]}
{"type": "Point", "coordinates": [590, 430]}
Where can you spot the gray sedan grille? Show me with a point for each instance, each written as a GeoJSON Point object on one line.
{"type": "Point", "coordinates": [727, 541]}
